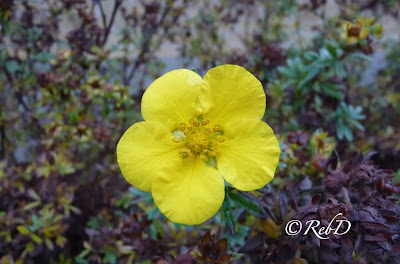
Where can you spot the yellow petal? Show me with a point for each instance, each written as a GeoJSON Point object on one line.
{"type": "Point", "coordinates": [249, 156]}
{"type": "Point", "coordinates": [230, 93]}
{"type": "Point", "coordinates": [170, 99]}
{"type": "Point", "coordinates": [352, 40]}
{"type": "Point", "coordinates": [143, 150]}
{"type": "Point", "coordinates": [362, 21]}
{"type": "Point", "coordinates": [364, 33]}
{"type": "Point", "coordinates": [190, 192]}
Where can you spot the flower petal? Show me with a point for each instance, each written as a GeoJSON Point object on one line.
{"type": "Point", "coordinates": [145, 148]}
{"type": "Point", "coordinates": [230, 93]}
{"type": "Point", "coordinates": [190, 192]}
{"type": "Point", "coordinates": [171, 98]}
{"type": "Point", "coordinates": [249, 156]}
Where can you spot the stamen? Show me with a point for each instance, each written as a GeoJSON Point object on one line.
{"type": "Point", "coordinates": [205, 122]}
{"type": "Point", "coordinates": [199, 139]}
{"type": "Point", "coordinates": [203, 158]}
{"type": "Point", "coordinates": [182, 127]}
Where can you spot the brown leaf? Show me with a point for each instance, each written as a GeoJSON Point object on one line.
{"type": "Point", "coordinates": [222, 245]}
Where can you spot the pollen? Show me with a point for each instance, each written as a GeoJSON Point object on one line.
{"type": "Point", "coordinates": [199, 139]}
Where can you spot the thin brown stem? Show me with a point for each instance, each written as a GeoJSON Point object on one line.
{"type": "Point", "coordinates": [145, 47]}
{"type": "Point", "coordinates": [117, 4]}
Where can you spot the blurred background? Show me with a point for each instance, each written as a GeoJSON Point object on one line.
{"type": "Point", "coordinates": [72, 74]}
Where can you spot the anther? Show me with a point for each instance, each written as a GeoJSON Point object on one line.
{"type": "Point", "coordinates": [196, 123]}
{"type": "Point", "coordinates": [182, 126]}
{"type": "Point", "coordinates": [216, 128]}
{"type": "Point", "coordinates": [221, 139]}
{"type": "Point", "coordinates": [189, 127]}
{"type": "Point", "coordinates": [205, 122]}
{"type": "Point", "coordinates": [176, 140]}
{"type": "Point", "coordinates": [203, 158]}
{"type": "Point", "coordinates": [191, 120]}
{"type": "Point", "coordinates": [212, 153]}
{"type": "Point", "coordinates": [186, 132]}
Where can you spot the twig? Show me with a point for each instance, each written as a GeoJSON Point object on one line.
{"type": "Point", "coordinates": [145, 46]}
{"type": "Point", "coordinates": [117, 4]}
{"type": "Point", "coordinates": [19, 96]}
{"type": "Point", "coordinates": [103, 15]}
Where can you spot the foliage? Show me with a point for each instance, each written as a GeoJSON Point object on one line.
{"type": "Point", "coordinates": [68, 90]}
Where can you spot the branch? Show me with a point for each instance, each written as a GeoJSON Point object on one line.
{"type": "Point", "coordinates": [19, 96]}
{"type": "Point", "coordinates": [145, 45]}
{"type": "Point", "coordinates": [103, 15]}
{"type": "Point", "coordinates": [117, 4]}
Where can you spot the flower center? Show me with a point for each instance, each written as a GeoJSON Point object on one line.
{"type": "Point", "coordinates": [199, 139]}
{"type": "Point", "coordinates": [354, 30]}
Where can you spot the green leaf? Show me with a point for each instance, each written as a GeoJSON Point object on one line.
{"type": "Point", "coordinates": [80, 260]}
{"type": "Point", "coordinates": [286, 71]}
{"type": "Point", "coordinates": [12, 66]}
{"type": "Point", "coordinates": [23, 230]}
{"type": "Point", "coordinates": [358, 125]}
{"type": "Point", "coordinates": [333, 90]}
{"type": "Point", "coordinates": [245, 203]}
{"type": "Point", "coordinates": [84, 253]}
{"type": "Point", "coordinates": [340, 129]}
{"type": "Point", "coordinates": [110, 258]}
{"type": "Point", "coordinates": [36, 238]}
{"type": "Point", "coordinates": [211, 162]}
{"type": "Point", "coordinates": [43, 56]}
{"type": "Point", "coordinates": [396, 178]}
{"type": "Point", "coordinates": [313, 71]}
{"type": "Point", "coordinates": [332, 50]}
{"type": "Point", "coordinates": [362, 56]}
{"type": "Point", "coordinates": [282, 165]}
{"type": "Point", "coordinates": [311, 55]}
{"type": "Point", "coordinates": [339, 70]}
{"type": "Point", "coordinates": [31, 205]}
{"type": "Point", "coordinates": [348, 134]}
{"type": "Point", "coordinates": [239, 238]}
{"type": "Point", "coordinates": [227, 215]}
{"type": "Point", "coordinates": [73, 117]}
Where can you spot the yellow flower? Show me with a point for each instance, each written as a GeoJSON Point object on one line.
{"type": "Point", "coordinates": [353, 32]}
{"type": "Point", "coordinates": [198, 132]}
